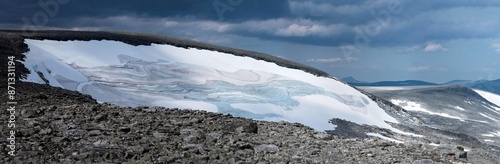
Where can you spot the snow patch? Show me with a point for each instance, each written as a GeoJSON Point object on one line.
{"type": "Point", "coordinates": [459, 108]}
{"type": "Point", "coordinates": [492, 109]}
{"type": "Point", "coordinates": [489, 117]}
{"type": "Point", "coordinates": [414, 106]}
{"type": "Point", "coordinates": [435, 144]}
{"type": "Point", "coordinates": [492, 134]}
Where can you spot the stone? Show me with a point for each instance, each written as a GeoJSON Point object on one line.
{"type": "Point", "coordinates": [425, 161]}
{"type": "Point", "coordinates": [266, 148]}
{"type": "Point", "coordinates": [462, 155]}
{"type": "Point", "coordinates": [94, 133]}
{"type": "Point", "coordinates": [158, 135]}
{"type": "Point", "coordinates": [247, 128]}
{"type": "Point", "coordinates": [45, 131]}
{"type": "Point", "coordinates": [124, 129]}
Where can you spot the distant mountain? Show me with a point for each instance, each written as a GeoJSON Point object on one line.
{"type": "Point", "coordinates": [395, 83]}
{"type": "Point", "coordinates": [351, 79]}
{"type": "Point", "coordinates": [476, 83]}
{"type": "Point", "coordinates": [458, 82]}
{"type": "Point", "coordinates": [467, 83]}
{"type": "Point", "coordinates": [490, 86]}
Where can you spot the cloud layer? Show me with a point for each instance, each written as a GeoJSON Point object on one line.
{"type": "Point", "coordinates": [317, 22]}
{"type": "Point", "coordinates": [378, 39]}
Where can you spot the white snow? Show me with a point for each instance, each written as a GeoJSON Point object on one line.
{"type": "Point", "coordinates": [165, 75]}
{"type": "Point", "coordinates": [488, 135]}
{"type": "Point", "coordinates": [459, 108]}
{"type": "Point", "coordinates": [488, 140]}
{"type": "Point", "coordinates": [435, 144]}
{"type": "Point", "coordinates": [491, 97]}
{"type": "Point", "coordinates": [492, 134]}
{"type": "Point", "coordinates": [384, 137]}
{"type": "Point", "coordinates": [491, 108]}
{"type": "Point", "coordinates": [414, 106]}
{"type": "Point", "coordinates": [489, 117]}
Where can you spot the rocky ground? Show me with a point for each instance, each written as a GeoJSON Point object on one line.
{"type": "Point", "coordinates": [59, 126]}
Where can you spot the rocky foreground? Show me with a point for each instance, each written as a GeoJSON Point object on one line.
{"type": "Point", "coordinates": [58, 126]}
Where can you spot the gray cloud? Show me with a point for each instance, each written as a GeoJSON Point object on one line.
{"type": "Point", "coordinates": [325, 60]}
{"type": "Point", "coordinates": [433, 47]}
{"type": "Point", "coordinates": [496, 47]}
{"type": "Point", "coordinates": [319, 22]}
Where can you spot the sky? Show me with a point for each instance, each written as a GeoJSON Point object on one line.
{"type": "Point", "coordinates": [370, 40]}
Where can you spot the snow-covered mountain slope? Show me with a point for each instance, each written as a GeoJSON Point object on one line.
{"type": "Point", "coordinates": [491, 97]}
{"type": "Point", "coordinates": [453, 108]}
{"type": "Point", "coordinates": [170, 76]}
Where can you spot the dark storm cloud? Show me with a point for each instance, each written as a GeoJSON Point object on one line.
{"type": "Point", "coordinates": [12, 11]}
{"type": "Point", "coordinates": [318, 22]}
{"type": "Point", "coordinates": [416, 23]}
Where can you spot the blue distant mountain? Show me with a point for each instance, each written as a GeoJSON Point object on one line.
{"type": "Point", "coordinates": [351, 79]}
{"type": "Point", "coordinates": [395, 83]}
{"type": "Point", "coordinates": [490, 86]}
{"type": "Point", "coordinates": [467, 83]}
{"type": "Point", "coordinates": [458, 82]}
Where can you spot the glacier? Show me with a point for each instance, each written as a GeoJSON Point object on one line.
{"type": "Point", "coordinates": [174, 77]}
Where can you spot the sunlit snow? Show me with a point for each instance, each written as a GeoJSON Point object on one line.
{"type": "Point", "coordinates": [491, 97]}
{"type": "Point", "coordinates": [414, 106]}
{"type": "Point", "coordinates": [459, 108]}
{"type": "Point", "coordinates": [492, 134]}
{"type": "Point", "coordinates": [489, 117]}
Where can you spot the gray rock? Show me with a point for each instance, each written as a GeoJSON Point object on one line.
{"type": "Point", "coordinates": [250, 127]}
{"type": "Point", "coordinates": [424, 161]}
{"type": "Point", "coordinates": [266, 148]}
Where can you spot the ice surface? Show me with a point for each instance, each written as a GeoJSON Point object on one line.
{"type": "Point", "coordinates": [170, 76]}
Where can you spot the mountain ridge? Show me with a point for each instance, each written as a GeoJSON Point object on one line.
{"type": "Point", "coordinates": [396, 83]}
{"type": "Point", "coordinates": [351, 79]}
{"type": "Point", "coordinates": [492, 86]}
